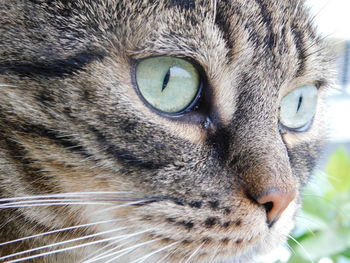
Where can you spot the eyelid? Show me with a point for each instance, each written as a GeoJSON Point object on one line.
{"type": "Point", "coordinates": [295, 84]}
{"type": "Point", "coordinates": [284, 129]}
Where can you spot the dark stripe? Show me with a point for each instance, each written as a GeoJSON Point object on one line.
{"type": "Point", "coordinates": [126, 157]}
{"type": "Point", "coordinates": [29, 169]}
{"type": "Point", "coordinates": [44, 132]}
{"type": "Point", "coordinates": [220, 141]}
{"type": "Point", "coordinates": [55, 68]}
{"type": "Point", "coordinates": [299, 44]}
{"type": "Point", "coordinates": [223, 23]}
{"type": "Point", "coordinates": [264, 13]}
{"type": "Point", "coordinates": [270, 38]}
{"type": "Point", "coordinates": [305, 156]}
{"type": "Point", "coordinates": [183, 4]}
{"type": "Point", "coordinates": [57, 138]}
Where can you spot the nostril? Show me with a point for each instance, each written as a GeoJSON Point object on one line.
{"type": "Point", "coordinates": [268, 206]}
{"type": "Point", "coordinates": [275, 203]}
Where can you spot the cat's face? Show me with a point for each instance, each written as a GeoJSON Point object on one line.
{"type": "Point", "coordinates": [192, 124]}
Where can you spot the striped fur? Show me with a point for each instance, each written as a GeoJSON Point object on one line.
{"type": "Point", "coordinates": [71, 123]}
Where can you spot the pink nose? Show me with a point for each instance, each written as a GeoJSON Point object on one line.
{"type": "Point", "coordinates": [275, 203]}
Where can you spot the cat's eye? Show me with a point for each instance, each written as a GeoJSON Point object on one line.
{"type": "Point", "coordinates": [298, 108]}
{"type": "Point", "coordinates": [170, 85]}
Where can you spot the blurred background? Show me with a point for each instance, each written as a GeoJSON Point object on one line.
{"type": "Point", "coordinates": [322, 234]}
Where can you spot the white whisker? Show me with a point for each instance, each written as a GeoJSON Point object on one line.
{"type": "Point", "coordinates": [67, 135]}
{"type": "Point", "coordinates": [57, 231]}
{"type": "Point", "coordinates": [96, 254]}
{"type": "Point", "coordinates": [53, 204]}
{"type": "Point", "coordinates": [309, 221]}
{"type": "Point", "coordinates": [7, 85]}
{"type": "Point", "coordinates": [128, 250]}
{"type": "Point", "coordinates": [194, 253]}
{"type": "Point", "coordinates": [292, 251]}
{"type": "Point", "coordinates": [46, 201]}
{"type": "Point", "coordinates": [71, 194]}
{"type": "Point", "coordinates": [163, 258]}
{"type": "Point", "coordinates": [120, 238]}
{"type": "Point", "coordinates": [123, 205]}
{"type": "Point", "coordinates": [154, 252]}
{"type": "Point", "coordinates": [60, 250]}
{"type": "Point", "coordinates": [302, 247]}
{"type": "Point", "coordinates": [57, 244]}
{"type": "Point", "coordinates": [214, 254]}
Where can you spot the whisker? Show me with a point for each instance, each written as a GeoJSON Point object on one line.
{"type": "Point", "coordinates": [58, 231]}
{"type": "Point", "coordinates": [53, 204]}
{"type": "Point", "coordinates": [7, 85]}
{"type": "Point", "coordinates": [140, 260]}
{"type": "Point", "coordinates": [128, 250]}
{"type": "Point", "coordinates": [91, 258]}
{"type": "Point", "coordinates": [312, 195]}
{"type": "Point", "coordinates": [57, 244]}
{"type": "Point", "coordinates": [60, 250]}
{"type": "Point", "coordinates": [96, 254]}
{"type": "Point", "coordinates": [193, 254]}
{"type": "Point", "coordinates": [112, 200]}
{"type": "Point", "coordinates": [307, 48]}
{"type": "Point", "coordinates": [316, 14]}
{"type": "Point", "coordinates": [214, 254]}
{"type": "Point", "coordinates": [128, 204]}
{"type": "Point", "coordinates": [71, 194]}
{"type": "Point", "coordinates": [306, 218]}
{"type": "Point", "coordinates": [108, 252]}
{"type": "Point", "coordinates": [309, 221]}
{"type": "Point", "coordinates": [163, 258]}
{"type": "Point", "coordinates": [45, 201]}
{"type": "Point", "coordinates": [290, 248]}
{"type": "Point", "coordinates": [302, 247]}
{"type": "Point", "coordinates": [67, 135]}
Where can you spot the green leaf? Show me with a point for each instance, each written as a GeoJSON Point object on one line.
{"type": "Point", "coordinates": [321, 244]}
{"type": "Point", "coordinates": [307, 223]}
{"type": "Point", "coordinates": [323, 228]}
{"type": "Point", "coordinates": [319, 207]}
{"type": "Point", "coordinates": [346, 253]}
{"type": "Point", "coordinates": [338, 169]}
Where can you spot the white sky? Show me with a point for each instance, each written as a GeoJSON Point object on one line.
{"type": "Point", "coordinates": [332, 17]}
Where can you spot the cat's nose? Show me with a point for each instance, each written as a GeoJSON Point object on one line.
{"type": "Point", "coordinates": [275, 203]}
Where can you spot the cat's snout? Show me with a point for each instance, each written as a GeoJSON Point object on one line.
{"type": "Point", "coordinates": [275, 203]}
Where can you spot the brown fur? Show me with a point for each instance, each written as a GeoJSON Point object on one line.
{"type": "Point", "coordinates": [71, 121]}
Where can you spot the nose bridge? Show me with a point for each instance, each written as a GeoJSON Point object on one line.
{"type": "Point", "coordinates": [260, 160]}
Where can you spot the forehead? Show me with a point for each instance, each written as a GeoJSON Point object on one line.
{"type": "Point", "coordinates": [217, 33]}
{"type": "Point", "coordinates": [239, 44]}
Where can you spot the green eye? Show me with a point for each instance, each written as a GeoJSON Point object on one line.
{"type": "Point", "coordinates": [169, 84]}
{"type": "Point", "coordinates": [299, 107]}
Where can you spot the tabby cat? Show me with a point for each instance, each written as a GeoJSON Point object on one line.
{"type": "Point", "coordinates": [155, 130]}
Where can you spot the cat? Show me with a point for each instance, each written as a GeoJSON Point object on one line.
{"type": "Point", "coordinates": [156, 130]}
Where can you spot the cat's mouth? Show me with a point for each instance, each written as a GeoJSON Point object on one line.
{"type": "Point", "coordinates": [188, 232]}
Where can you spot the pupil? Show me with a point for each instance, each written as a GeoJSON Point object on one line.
{"type": "Point", "coordinates": [166, 79]}
{"type": "Point", "coordinates": [299, 103]}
